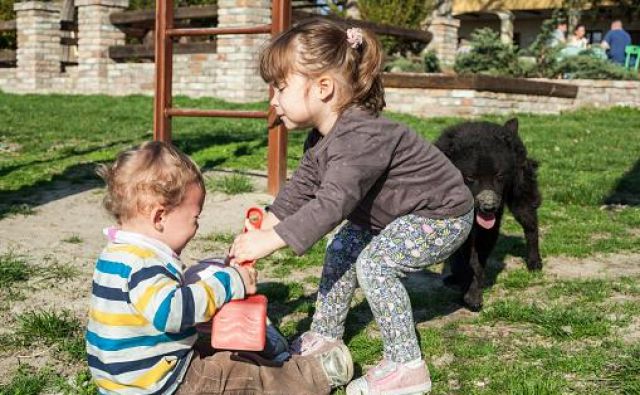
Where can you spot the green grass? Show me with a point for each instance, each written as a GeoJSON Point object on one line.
{"type": "Point", "coordinates": [231, 185]}
{"type": "Point", "coordinates": [588, 159]}
{"type": "Point", "coordinates": [537, 334]}
{"type": "Point", "coordinates": [558, 321]}
{"type": "Point", "coordinates": [58, 271]}
{"type": "Point", "coordinates": [49, 328]}
{"type": "Point", "coordinates": [27, 380]}
{"type": "Point", "coordinates": [73, 239]}
{"type": "Point", "coordinates": [13, 269]}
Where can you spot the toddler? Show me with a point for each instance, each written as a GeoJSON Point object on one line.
{"type": "Point", "coordinates": [141, 332]}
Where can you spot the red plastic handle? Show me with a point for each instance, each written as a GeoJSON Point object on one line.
{"type": "Point", "coordinates": [255, 216]}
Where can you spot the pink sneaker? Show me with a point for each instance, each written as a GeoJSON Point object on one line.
{"type": "Point", "coordinates": [392, 378]}
{"type": "Point", "coordinates": [312, 343]}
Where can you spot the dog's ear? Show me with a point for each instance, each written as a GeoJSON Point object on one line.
{"type": "Point", "coordinates": [446, 143]}
{"type": "Point", "coordinates": [512, 125]}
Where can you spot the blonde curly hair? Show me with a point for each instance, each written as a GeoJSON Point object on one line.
{"type": "Point", "coordinates": [153, 173]}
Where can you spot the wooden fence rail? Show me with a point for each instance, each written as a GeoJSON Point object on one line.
{"type": "Point", "coordinates": [147, 18]}
{"type": "Point", "coordinates": [8, 26]}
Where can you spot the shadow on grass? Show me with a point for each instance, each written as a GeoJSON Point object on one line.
{"type": "Point", "coordinates": [627, 190]}
{"type": "Point", "coordinates": [430, 298]}
{"type": "Point", "coordinates": [68, 152]}
{"type": "Point", "coordinates": [75, 179]}
{"type": "Point", "coordinates": [81, 177]}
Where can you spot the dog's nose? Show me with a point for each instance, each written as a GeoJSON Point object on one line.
{"type": "Point", "coordinates": [488, 201]}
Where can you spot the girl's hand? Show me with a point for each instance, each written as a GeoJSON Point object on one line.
{"type": "Point", "coordinates": [254, 245]}
{"type": "Point", "coordinates": [249, 277]}
{"type": "Point", "coordinates": [269, 221]}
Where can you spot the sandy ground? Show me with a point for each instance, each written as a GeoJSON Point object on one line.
{"type": "Point", "coordinates": [40, 238]}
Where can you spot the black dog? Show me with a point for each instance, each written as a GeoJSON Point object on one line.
{"type": "Point", "coordinates": [494, 163]}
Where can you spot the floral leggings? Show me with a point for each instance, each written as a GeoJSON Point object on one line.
{"type": "Point", "coordinates": [376, 262]}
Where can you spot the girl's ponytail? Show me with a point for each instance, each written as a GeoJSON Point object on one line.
{"type": "Point", "coordinates": [368, 89]}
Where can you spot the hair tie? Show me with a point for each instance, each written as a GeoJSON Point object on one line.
{"type": "Point", "coordinates": [354, 37]}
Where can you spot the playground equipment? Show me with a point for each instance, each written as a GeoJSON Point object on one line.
{"type": "Point", "coordinates": [163, 111]}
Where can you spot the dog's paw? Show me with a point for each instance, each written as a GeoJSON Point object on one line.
{"type": "Point", "coordinates": [534, 265]}
{"type": "Point", "coordinates": [473, 303]}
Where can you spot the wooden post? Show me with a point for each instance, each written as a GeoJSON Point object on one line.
{"type": "Point", "coordinates": [277, 152]}
{"type": "Point", "coordinates": [164, 70]}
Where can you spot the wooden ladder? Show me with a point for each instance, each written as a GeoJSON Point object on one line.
{"type": "Point", "coordinates": [163, 111]}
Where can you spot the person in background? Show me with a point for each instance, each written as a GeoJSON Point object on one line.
{"type": "Point", "coordinates": [578, 39]}
{"type": "Point", "coordinates": [615, 41]}
{"type": "Point", "coordinates": [559, 35]}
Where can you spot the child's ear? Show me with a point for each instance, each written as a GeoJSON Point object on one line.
{"type": "Point", "coordinates": [158, 214]}
{"type": "Point", "coordinates": [325, 87]}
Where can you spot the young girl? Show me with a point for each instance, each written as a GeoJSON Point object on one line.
{"type": "Point", "coordinates": [141, 332]}
{"type": "Point", "coordinates": [407, 206]}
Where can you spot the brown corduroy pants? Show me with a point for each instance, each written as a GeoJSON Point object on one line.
{"type": "Point", "coordinates": [245, 373]}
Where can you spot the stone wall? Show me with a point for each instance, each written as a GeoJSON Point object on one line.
{"type": "Point", "coordinates": [230, 73]}
{"type": "Point", "coordinates": [461, 102]}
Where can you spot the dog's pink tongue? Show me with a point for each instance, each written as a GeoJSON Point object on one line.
{"type": "Point", "coordinates": [486, 220]}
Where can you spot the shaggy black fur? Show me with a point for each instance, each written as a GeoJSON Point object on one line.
{"type": "Point", "coordinates": [494, 163]}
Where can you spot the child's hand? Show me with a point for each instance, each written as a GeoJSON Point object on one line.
{"type": "Point", "coordinates": [269, 221]}
{"type": "Point", "coordinates": [249, 278]}
{"type": "Point", "coordinates": [254, 245]}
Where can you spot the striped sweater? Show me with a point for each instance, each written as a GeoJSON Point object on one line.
{"type": "Point", "coordinates": [142, 315]}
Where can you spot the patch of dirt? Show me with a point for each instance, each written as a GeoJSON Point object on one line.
{"type": "Point", "coordinates": [598, 266]}
{"type": "Point", "coordinates": [631, 333]}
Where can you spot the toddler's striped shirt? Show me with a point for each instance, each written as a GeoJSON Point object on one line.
{"type": "Point", "coordinates": [142, 315]}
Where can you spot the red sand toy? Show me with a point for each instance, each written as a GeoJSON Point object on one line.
{"type": "Point", "coordinates": [241, 325]}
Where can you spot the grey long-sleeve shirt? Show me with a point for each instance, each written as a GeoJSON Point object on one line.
{"type": "Point", "coordinates": [369, 170]}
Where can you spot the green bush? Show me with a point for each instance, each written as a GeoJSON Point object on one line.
{"type": "Point", "coordinates": [7, 39]}
{"type": "Point", "coordinates": [404, 64]}
{"type": "Point", "coordinates": [431, 62]}
{"type": "Point", "coordinates": [546, 56]}
{"type": "Point", "coordinates": [489, 55]}
{"type": "Point", "coordinates": [403, 13]}
{"type": "Point", "coordinates": [414, 64]}
{"type": "Point", "coordinates": [588, 66]}
{"type": "Point", "coordinates": [6, 10]}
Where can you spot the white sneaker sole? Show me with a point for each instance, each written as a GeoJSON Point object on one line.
{"type": "Point", "coordinates": [415, 390]}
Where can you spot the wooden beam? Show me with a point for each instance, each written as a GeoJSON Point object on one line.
{"type": "Point", "coordinates": [7, 56]}
{"type": "Point", "coordinates": [69, 40]}
{"type": "Point", "coordinates": [211, 31]}
{"type": "Point", "coordinates": [148, 17]}
{"type": "Point", "coordinates": [8, 26]}
{"type": "Point", "coordinates": [378, 28]}
{"type": "Point", "coordinates": [478, 82]}
{"type": "Point", "coordinates": [69, 26]}
{"type": "Point", "coordinates": [277, 149]}
{"type": "Point", "coordinates": [164, 71]}
{"type": "Point", "coordinates": [141, 51]}
{"type": "Point", "coordinates": [196, 112]}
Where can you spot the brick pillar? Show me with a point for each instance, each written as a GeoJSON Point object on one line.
{"type": "Point", "coordinates": [506, 26]}
{"type": "Point", "coordinates": [95, 35]}
{"type": "Point", "coordinates": [237, 75]}
{"type": "Point", "coordinates": [445, 39]}
{"type": "Point", "coordinates": [39, 52]}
